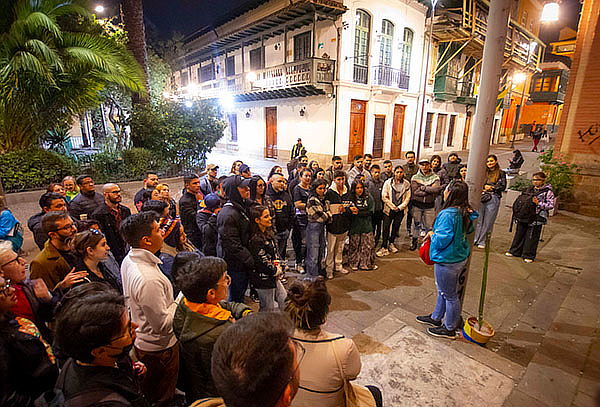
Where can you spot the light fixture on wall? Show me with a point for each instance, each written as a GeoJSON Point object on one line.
{"type": "Point", "coordinates": [550, 12]}
{"type": "Point", "coordinates": [302, 112]}
{"type": "Point", "coordinates": [248, 114]}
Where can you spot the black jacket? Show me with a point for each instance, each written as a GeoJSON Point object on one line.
{"type": "Point", "coordinates": [233, 226]}
{"type": "Point", "coordinates": [188, 208]}
{"type": "Point", "coordinates": [108, 224]}
{"type": "Point", "coordinates": [118, 384]}
{"type": "Point", "coordinates": [43, 311]}
{"type": "Point", "coordinates": [83, 204]}
{"type": "Point", "coordinates": [26, 371]}
{"type": "Point", "coordinates": [284, 209]}
{"type": "Point", "coordinates": [264, 252]}
{"type": "Point", "coordinates": [453, 169]}
{"type": "Point", "coordinates": [35, 225]}
{"type": "Point", "coordinates": [340, 222]}
{"type": "Point", "coordinates": [207, 223]}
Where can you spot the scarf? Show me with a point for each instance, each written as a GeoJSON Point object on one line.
{"type": "Point", "coordinates": [214, 311]}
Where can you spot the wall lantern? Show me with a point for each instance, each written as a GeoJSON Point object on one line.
{"type": "Point", "coordinates": [302, 112]}
{"type": "Point", "coordinates": [248, 114]}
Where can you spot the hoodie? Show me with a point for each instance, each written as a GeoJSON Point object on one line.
{"type": "Point", "coordinates": [284, 209]}
{"type": "Point", "coordinates": [35, 225]}
{"type": "Point", "coordinates": [233, 225]}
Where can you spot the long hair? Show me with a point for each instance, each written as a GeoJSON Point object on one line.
{"type": "Point", "coordinates": [356, 183]}
{"type": "Point", "coordinates": [256, 212]}
{"type": "Point", "coordinates": [492, 174]}
{"type": "Point", "coordinates": [458, 197]}
{"type": "Point", "coordinates": [254, 186]}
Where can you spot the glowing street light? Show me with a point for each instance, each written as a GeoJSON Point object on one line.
{"type": "Point", "coordinates": [227, 102]}
{"type": "Point", "coordinates": [519, 77]}
{"type": "Point", "coordinates": [99, 9]}
{"type": "Point", "coordinates": [550, 12]}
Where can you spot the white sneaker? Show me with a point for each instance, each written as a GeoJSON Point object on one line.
{"type": "Point", "coordinates": [508, 254]}
{"type": "Point", "coordinates": [481, 246]}
{"type": "Point", "coordinates": [528, 260]}
{"type": "Point", "coordinates": [329, 276]}
{"type": "Point", "coordinates": [392, 248]}
{"type": "Point", "coordinates": [343, 271]}
{"type": "Point", "coordinates": [382, 252]}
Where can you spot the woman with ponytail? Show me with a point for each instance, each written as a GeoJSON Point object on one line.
{"type": "Point", "coordinates": [449, 250]}
{"type": "Point", "coordinates": [321, 382]}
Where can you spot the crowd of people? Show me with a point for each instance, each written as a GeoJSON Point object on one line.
{"type": "Point", "coordinates": [150, 308]}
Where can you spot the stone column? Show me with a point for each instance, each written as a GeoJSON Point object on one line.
{"type": "Point", "coordinates": [579, 133]}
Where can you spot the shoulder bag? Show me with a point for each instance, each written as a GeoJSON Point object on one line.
{"type": "Point", "coordinates": [354, 395]}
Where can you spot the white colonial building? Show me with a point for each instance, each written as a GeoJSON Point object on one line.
{"type": "Point", "coordinates": [344, 76]}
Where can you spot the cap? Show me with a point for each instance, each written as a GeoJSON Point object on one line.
{"type": "Point", "coordinates": [423, 161]}
{"type": "Point", "coordinates": [212, 201]}
{"type": "Point", "coordinates": [211, 167]}
{"type": "Point", "coordinates": [299, 139]}
{"type": "Point", "coordinates": [244, 168]}
{"type": "Point", "coordinates": [236, 181]}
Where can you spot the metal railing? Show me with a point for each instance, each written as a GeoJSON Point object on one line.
{"type": "Point", "coordinates": [361, 74]}
{"type": "Point", "coordinates": [467, 89]}
{"type": "Point", "coordinates": [388, 76]}
{"type": "Point", "coordinates": [311, 71]}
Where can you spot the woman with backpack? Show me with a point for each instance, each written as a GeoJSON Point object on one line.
{"type": "Point", "coordinates": [495, 184]}
{"type": "Point", "coordinates": [529, 220]}
{"type": "Point", "coordinates": [449, 249]}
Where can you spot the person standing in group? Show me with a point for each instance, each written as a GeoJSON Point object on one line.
{"type": "Point", "coordinates": [149, 296]}
{"type": "Point", "coordinates": [495, 184]}
{"type": "Point", "coordinates": [49, 202]}
{"type": "Point", "coordinates": [258, 194]}
{"type": "Point", "coordinates": [361, 252]}
{"type": "Point", "coordinates": [164, 194]}
{"type": "Point", "coordinates": [235, 167]}
{"type": "Point", "coordinates": [233, 224]}
{"type": "Point", "coordinates": [284, 211]}
{"type": "Point", "coordinates": [86, 202]}
{"type": "Point", "coordinates": [452, 166]}
{"type": "Point", "coordinates": [436, 167]}
{"type": "Point", "coordinates": [297, 150]}
{"type": "Point", "coordinates": [94, 257]}
{"type": "Point", "coordinates": [189, 203]}
{"type": "Point", "coordinates": [367, 162]}
{"type": "Point", "coordinates": [388, 170]}
{"type": "Point", "coordinates": [110, 215]}
{"type": "Point", "coordinates": [337, 230]}
{"type": "Point", "coordinates": [336, 165]}
{"type": "Point", "coordinates": [536, 135]}
{"type": "Point", "coordinates": [209, 182]}
{"type": "Point", "coordinates": [267, 273]}
{"type": "Point", "coordinates": [300, 195]}
{"type": "Point", "coordinates": [141, 196]}
{"type": "Point", "coordinates": [527, 235]}
{"type": "Point", "coordinates": [319, 214]}
{"type": "Point", "coordinates": [245, 171]}
{"type": "Point", "coordinates": [375, 188]}
{"type": "Point", "coordinates": [71, 189]}
{"type": "Point", "coordinates": [410, 169]}
{"type": "Point", "coordinates": [449, 250]}
{"type": "Point", "coordinates": [424, 188]}
{"type": "Point", "coordinates": [395, 196]}
{"type": "Point", "coordinates": [357, 171]}
{"type": "Point", "coordinates": [207, 223]}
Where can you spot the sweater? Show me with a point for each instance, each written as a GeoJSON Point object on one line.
{"type": "Point", "coordinates": [149, 295]}
{"type": "Point", "coordinates": [449, 242]}
{"type": "Point", "coordinates": [362, 222]}
{"type": "Point", "coordinates": [401, 192]}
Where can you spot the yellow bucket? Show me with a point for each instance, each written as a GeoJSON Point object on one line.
{"type": "Point", "coordinates": [478, 336]}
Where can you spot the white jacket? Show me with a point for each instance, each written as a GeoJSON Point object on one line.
{"type": "Point", "coordinates": [149, 295]}
{"type": "Point", "coordinates": [386, 195]}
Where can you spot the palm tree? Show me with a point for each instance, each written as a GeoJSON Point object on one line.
{"type": "Point", "coordinates": [54, 63]}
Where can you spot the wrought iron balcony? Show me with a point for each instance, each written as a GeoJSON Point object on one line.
{"type": "Point", "coordinates": [361, 74]}
{"type": "Point", "coordinates": [312, 76]}
{"type": "Point", "coordinates": [388, 76]}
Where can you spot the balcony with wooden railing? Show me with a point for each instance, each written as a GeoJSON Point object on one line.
{"type": "Point", "coordinates": [312, 76]}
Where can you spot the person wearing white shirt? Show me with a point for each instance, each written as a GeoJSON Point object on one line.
{"type": "Point", "coordinates": [149, 295]}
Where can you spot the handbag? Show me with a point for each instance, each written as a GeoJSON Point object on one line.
{"type": "Point", "coordinates": [486, 197]}
{"type": "Point", "coordinates": [354, 394]}
{"type": "Point", "coordinates": [424, 251]}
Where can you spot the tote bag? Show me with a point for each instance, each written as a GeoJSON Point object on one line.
{"type": "Point", "coordinates": [354, 395]}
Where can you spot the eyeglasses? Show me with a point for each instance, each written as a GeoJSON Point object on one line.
{"type": "Point", "coordinates": [115, 192]}
{"type": "Point", "coordinates": [69, 226]}
{"type": "Point", "coordinates": [227, 280]}
{"type": "Point", "coordinates": [17, 259]}
{"type": "Point", "coordinates": [4, 290]}
{"type": "Point", "coordinates": [537, 179]}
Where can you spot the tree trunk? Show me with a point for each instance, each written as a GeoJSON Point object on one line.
{"type": "Point", "coordinates": [133, 18]}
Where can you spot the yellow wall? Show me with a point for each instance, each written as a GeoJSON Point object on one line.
{"type": "Point", "coordinates": [528, 15]}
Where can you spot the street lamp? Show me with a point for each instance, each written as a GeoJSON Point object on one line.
{"type": "Point", "coordinates": [550, 12]}
{"type": "Point", "coordinates": [99, 9]}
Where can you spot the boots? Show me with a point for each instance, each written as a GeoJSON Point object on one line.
{"type": "Point", "coordinates": [414, 243]}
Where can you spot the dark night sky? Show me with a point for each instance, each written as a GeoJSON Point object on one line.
{"type": "Point", "coordinates": [186, 16]}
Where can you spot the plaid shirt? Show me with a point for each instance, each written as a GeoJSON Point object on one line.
{"type": "Point", "coordinates": [318, 210]}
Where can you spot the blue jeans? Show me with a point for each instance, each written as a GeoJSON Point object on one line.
{"type": "Point", "coordinates": [487, 217]}
{"type": "Point", "coordinates": [448, 301]}
{"type": "Point", "coordinates": [269, 296]}
{"type": "Point", "coordinates": [315, 248]}
{"type": "Point", "coordinates": [238, 286]}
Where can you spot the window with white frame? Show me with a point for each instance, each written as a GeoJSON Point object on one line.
{"type": "Point", "coordinates": [361, 38]}
{"type": "Point", "coordinates": [407, 43]}
{"type": "Point", "coordinates": [387, 38]}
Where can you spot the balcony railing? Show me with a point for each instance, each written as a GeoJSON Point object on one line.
{"type": "Point", "coordinates": [311, 71]}
{"type": "Point", "coordinates": [388, 76]}
{"type": "Point", "coordinates": [361, 74]}
{"type": "Point", "coordinates": [467, 89]}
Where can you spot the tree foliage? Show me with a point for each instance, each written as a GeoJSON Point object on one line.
{"type": "Point", "coordinates": [54, 64]}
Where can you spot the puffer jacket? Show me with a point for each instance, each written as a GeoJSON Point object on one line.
{"type": "Point", "coordinates": [207, 224]}
{"type": "Point", "coordinates": [424, 188]}
{"type": "Point", "coordinates": [233, 225]}
{"type": "Point", "coordinates": [197, 335]}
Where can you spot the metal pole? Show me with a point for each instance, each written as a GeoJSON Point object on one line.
{"type": "Point", "coordinates": [433, 3]}
{"type": "Point", "coordinates": [491, 72]}
{"type": "Point", "coordinates": [520, 107]}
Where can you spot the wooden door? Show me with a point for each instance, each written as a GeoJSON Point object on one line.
{"type": "Point", "coordinates": [271, 126]}
{"type": "Point", "coordinates": [466, 134]}
{"type": "Point", "coordinates": [379, 135]}
{"type": "Point", "coordinates": [397, 131]}
{"type": "Point", "coordinates": [356, 144]}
